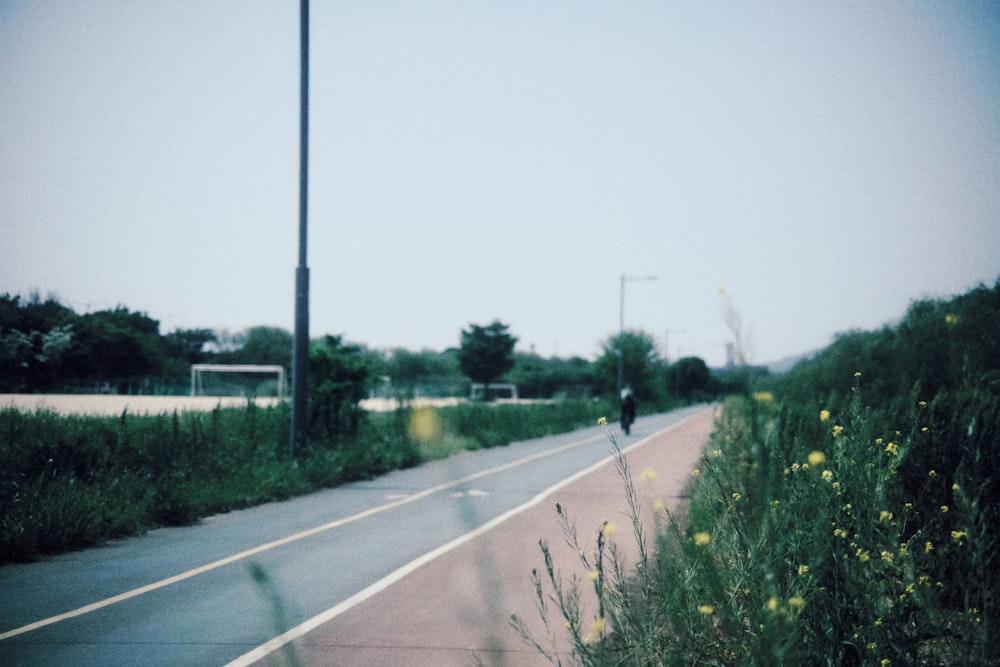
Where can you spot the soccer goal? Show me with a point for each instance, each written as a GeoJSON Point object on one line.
{"type": "Point", "coordinates": [237, 380]}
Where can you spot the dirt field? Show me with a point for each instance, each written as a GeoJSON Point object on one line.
{"type": "Point", "coordinates": [113, 404]}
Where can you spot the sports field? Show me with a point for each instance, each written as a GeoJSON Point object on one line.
{"type": "Point", "coordinates": [115, 404]}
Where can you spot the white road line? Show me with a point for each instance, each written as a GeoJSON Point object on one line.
{"type": "Point", "coordinates": [285, 540]}
{"type": "Point", "coordinates": [305, 627]}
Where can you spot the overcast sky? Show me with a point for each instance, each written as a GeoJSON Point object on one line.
{"type": "Point", "coordinates": [826, 162]}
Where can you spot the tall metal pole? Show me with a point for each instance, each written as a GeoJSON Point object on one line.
{"type": "Point", "coordinates": [621, 329]}
{"type": "Point", "coordinates": [621, 337]}
{"type": "Point", "coordinates": [300, 348]}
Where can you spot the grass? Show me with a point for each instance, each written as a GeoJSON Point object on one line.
{"type": "Point", "coordinates": [68, 482]}
{"type": "Point", "coordinates": [813, 537]}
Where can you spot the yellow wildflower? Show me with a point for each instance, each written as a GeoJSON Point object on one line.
{"type": "Point", "coordinates": [837, 430]}
{"type": "Point", "coordinates": [736, 497]}
{"type": "Point", "coordinates": [696, 472]}
{"type": "Point", "coordinates": [660, 506]}
{"type": "Point", "coordinates": [594, 575]}
{"type": "Point", "coordinates": [596, 630]}
{"type": "Point", "coordinates": [701, 539]}
{"type": "Point", "coordinates": [803, 569]}
{"type": "Point", "coordinates": [603, 421]}
{"type": "Point", "coordinates": [944, 508]}
{"type": "Point", "coordinates": [772, 604]}
{"type": "Point", "coordinates": [608, 529]}
{"type": "Point", "coordinates": [706, 609]}
{"type": "Point", "coordinates": [827, 475]}
{"type": "Point", "coordinates": [957, 534]}
{"type": "Point", "coordinates": [928, 547]}
{"type": "Point", "coordinates": [796, 601]}
{"type": "Point", "coordinates": [824, 415]}
{"type": "Point", "coordinates": [817, 458]}
{"type": "Point", "coordinates": [647, 474]}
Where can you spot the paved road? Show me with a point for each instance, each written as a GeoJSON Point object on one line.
{"type": "Point", "coordinates": [188, 596]}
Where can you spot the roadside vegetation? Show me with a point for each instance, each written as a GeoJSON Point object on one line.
{"type": "Point", "coordinates": [843, 514]}
{"type": "Point", "coordinates": [68, 482]}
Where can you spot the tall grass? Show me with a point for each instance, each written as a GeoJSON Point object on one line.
{"type": "Point", "coordinates": [813, 537]}
{"type": "Point", "coordinates": [73, 481]}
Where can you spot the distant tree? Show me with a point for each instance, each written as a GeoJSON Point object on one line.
{"type": "Point", "coordinates": [35, 336]}
{"type": "Point", "coordinates": [338, 381]}
{"type": "Point", "coordinates": [188, 344]}
{"type": "Point", "coordinates": [264, 345]}
{"type": "Point", "coordinates": [689, 378]}
{"type": "Point", "coordinates": [116, 346]}
{"type": "Point", "coordinates": [642, 367]}
{"type": "Point", "coordinates": [33, 314]}
{"type": "Point", "coordinates": [432, 373]}
{"type": "Point", "coordinates": [486, 353]}
{"type": "Point", "coordinates": [537, 377]}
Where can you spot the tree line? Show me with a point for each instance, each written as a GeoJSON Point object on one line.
{"type": "Point", "coordinates": [46, 347]}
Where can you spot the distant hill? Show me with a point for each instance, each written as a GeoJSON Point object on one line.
{"type": "Point", "coordinates": [786, 363]}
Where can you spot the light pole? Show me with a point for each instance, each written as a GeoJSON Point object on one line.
{"type": "Point", "coordinates": [300, 346]}
{"type": "Point", "coordinates": [621, 327]}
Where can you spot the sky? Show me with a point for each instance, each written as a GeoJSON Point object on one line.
{"type": "Point", "coordinates": [823, 163]}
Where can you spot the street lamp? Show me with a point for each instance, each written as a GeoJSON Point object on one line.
{"type": "Point", "coordinates": [621, 327]}
{"type": "Point", "coordinates": [300, 344]}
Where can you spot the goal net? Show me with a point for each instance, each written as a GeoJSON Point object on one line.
{"type": "Point", "coordinates": [237, 380]}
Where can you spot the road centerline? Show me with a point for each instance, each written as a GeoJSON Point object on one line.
{"type": "Point", "coordinates": [309, 532]}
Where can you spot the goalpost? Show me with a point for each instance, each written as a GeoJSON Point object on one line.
{"type": "Point", "coordinates": [225, 385]}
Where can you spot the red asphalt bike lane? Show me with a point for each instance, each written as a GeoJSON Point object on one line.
{"type": "Point", "coordinates": [455, 609]}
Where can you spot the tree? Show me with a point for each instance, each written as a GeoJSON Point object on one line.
{"type": "Point", "coordinates": [338, 380]}
{"type": "Point", "coordinates": [188, 344]}
{"type": "Point", "coordinates": [547, 378]}
{"type": "Point", "coordinates": [486, 353]}
{"type": "Point", "coordinates": [35, 336]}
{"type": "Point", "coordinates": [264, 345]}
{"type": "Point", "coordinates": [689, 378]}
{"type": "Point", "coordinates": [115, 346]}
{"type": "Point", "coordinates": [642, 368]}
{"type": "Point", "coordinates": [428, 372]}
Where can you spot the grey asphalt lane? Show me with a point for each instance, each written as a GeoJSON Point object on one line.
{"type": "Point", "coordinates": [187, 596]}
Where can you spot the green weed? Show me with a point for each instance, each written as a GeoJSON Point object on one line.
{"type": "Point", "coordinates": [73, 481]}
{"type": "Point", "coordinates": [808, 540]}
